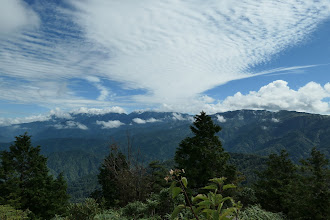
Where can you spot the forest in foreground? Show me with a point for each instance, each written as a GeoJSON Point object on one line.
{"type": "Point", "coordinates": [202, 181]}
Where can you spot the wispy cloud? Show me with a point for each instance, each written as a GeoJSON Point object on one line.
{"type": "Point", "coordinates": [174, 50]}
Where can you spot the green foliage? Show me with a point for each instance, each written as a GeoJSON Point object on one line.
{"type": "Point", "coordinates": [135, 209]}
{"type": "Point", "coordinates": [123, 180]}
{"type": "Point", "coordinates": [157, 172]}
{"type": "Point", "coordinates": [113, 164]}
{"type": "Point", "coordinates": [9, 213]}
{"type": "Point", "coordinates": [83, 211]}
{"type": "Point", "coordinates": [248, 165]}
{"type": "Point", "coordinates": [299, 193]}
{"type": "Point", "coordinates": [26, 183]}
{"type": "Point", "coordinates": [110, 214]}
{"type": "Point", "coordinates": [212, 205]}
{"type": "Point", "coordinates": [272, 187]}
{"type": "Point", "coordinates": [247, 196]}
{"type": "Point", "coordinates": [310, 194]}
{"type": "Point", "coordinates": [255, 212]}
{"type": "Point", "coordinates": [202, 155]}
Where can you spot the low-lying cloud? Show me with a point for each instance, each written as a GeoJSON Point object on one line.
{"type": "Point", "coordinates": [110, 124]}
{"type": "Point", "coordinates": [221, 119]}
{"type": "Point", "coordinates": [99, 111]}
{"type": "Point", "coordinates": [142, 121]}
{"type": "Point", "coordinates": [71, 125]}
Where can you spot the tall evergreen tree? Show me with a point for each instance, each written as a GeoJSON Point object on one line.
{"type": "Point", "coordinates": [123, 179]}
{"type": "Point", "coordinates": [25, 182]}
{"type": "Point", "coordinates": [202, 156]}
{"type": "Point", "coordinates": [272, 188]}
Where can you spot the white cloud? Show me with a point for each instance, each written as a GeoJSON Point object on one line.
{"type": "Point", "coordinates": [189, 38]}
{"type": "Point", "coordinates": [220, 118]}
{"type": "Point", "coordinates": [110, 124]}
{"type": "Point", "coordinates": [71, 125]}
{"type": "Point", "coordinates": [142, 121]}
{"type": "Point", "coordinates": [139, 121]}
{"type": "Point", "coordinates": [104, 92]}
{"type": "Point", "coordinates": [278, 96]}
{"type": "Point", "coordinates": [180, 117]}
{"type": "Point", "coordinates": [16, 15]}
{"type": "Point", "coordinates": [275, 120]}
{"type": "Point", "coordinates": [98, 111]}
{"type": "Point", "coordinates": [275, 96]}
{"type": "Point", "coordinates": [174, 50]}
{"type": "Point", "coordinates": [60, 114]}
{"type": "Point", "coordinates": [13, 121]}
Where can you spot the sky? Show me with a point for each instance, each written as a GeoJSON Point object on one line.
{"type": "Point", "coordinates": [98, 56]}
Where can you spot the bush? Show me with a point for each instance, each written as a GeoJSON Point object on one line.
{"type": "Point", "coordinates": [84, 211]}
{"type": "Point", "coordinates": [255, 212]}
{"type": "Point", "coordinates": [135, 209]}
{"type": "Point", "coordinates": [110, 214]}
{"type": "Point", "coordinates": [9, 213]}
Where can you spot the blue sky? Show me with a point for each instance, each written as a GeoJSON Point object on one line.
{"type": "Point", "coordinates": [167, 55]}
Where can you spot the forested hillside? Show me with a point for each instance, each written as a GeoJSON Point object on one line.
{"type": "Point", "coordinates": [201, 181]}
{"type": "Point", "coordinates": [77, 144]}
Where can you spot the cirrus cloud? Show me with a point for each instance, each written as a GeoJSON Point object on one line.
{"type": "Point", "coordinates": [172, 50]}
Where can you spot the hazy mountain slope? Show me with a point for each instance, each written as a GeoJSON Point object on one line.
{"type": "Point", "coordinates": [158, 134]}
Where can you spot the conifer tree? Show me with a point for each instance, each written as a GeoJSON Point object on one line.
{"type": "Point", "coordinates": [272, 188]}
{"type": "Point", "coordinates": [123, 179]}
{"type": "Point", "coordinates": [202, 156]}
{"type": "Point", "coordinates": [25, 182]}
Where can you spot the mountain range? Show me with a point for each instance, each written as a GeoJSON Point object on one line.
{"type": "Point", "coordinates": [77, 143]}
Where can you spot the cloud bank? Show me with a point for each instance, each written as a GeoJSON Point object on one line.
{"type": "Point", "coordinates": [99, 111]}
{"type": "Point", "coordinates": [57, 112]}
{"type": "Point", "coordinates": [277, 95]}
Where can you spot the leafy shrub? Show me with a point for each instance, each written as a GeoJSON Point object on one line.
{"type": "Point", "coordinates": [84, 211]}
{"type": "Point", "coordinates": [110, 214]}
{"type": "Point", "coordinates": [255, 212]}
{"type": "Point", "coordinates": [9, 213]}
{"type": "Point", "coordinates": [212, 205]}
{"type": "Point", "coordinates": [135, 209]}
{"type": "Point", "coordinates": [247, 196]}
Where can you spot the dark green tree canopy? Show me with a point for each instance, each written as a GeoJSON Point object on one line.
{"type": "Point", "coordinates": [202, 156]}
{"type": "Point", "coordinates": [25, 182]}
{"type": "Point", "coordinates": [272, 186]}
